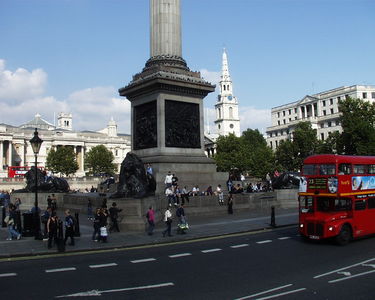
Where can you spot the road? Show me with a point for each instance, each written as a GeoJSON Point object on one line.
{"type": "Point", "coordinates": [263, 265]}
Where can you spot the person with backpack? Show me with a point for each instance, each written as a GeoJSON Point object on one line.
{"type": "Point", "coordinates": [69, 227]}
{"type": "Point", "coordinates": [150, 216]}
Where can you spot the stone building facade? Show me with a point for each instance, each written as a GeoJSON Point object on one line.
{"type": "Point", "coordinates": [15, 148]}
{"type": "Point", "coordinates": [320, 109]}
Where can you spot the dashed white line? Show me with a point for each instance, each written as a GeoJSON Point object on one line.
{"type": "Point", "coordinates": [179, 255]}
{"type": "Point", "coordinates": [239, 246]}
{"type": "Point", "coordinates": [264, 242]}
{"type": "Point", "coordinates": [341, 269]}
{"type": "Point", "coordinates": [102, 265]}
{"type": "Point", "coordinates": [282, 294]}
{"type": "Point", "coordinates": [350, 277]}
{"type": "Point", "coordinates": [284, 238]}
{"type": "Point", "coordinates": [264, 292]}
{"type": "Point", "coordinates": [61, 270]}
{"type": "Point", "coordinates": [211, 250]}
{"type": "Point", "coordinates": [8, 274]}
{"type": "Point", "coordinates": [137, 261]}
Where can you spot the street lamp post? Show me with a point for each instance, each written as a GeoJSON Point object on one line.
{"type": "Point", "coordinates": [36, 143]}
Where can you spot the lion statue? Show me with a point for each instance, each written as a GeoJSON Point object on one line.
{"type": "Point", "coordinates": [133, 180]}
{"type": "Point", "coordinates": [53, 184]}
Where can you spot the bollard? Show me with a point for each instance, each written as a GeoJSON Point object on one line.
{"type": "Point", "coordinates": [76, 225]}
{"type": "Point", "coordinates": [3, 224]}
{"type": "Point", "coordinates": [273, 223]}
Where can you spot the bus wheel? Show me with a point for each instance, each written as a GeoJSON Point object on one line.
{"type": "Point", "coordinates": [344, 236]}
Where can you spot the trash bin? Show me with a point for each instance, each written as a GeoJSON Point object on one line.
{"type": "Point", "coordinates": [28, 229]}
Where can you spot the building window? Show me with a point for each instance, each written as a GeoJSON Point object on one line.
{"type": "Point", "coordinates": [338, 98]}
{"type": "Point", "coordinates": [284, 113]}
{"type": "Point", "coordinates": [278, 122]}
{"type": "Point", "coordinates": [295, 110]}
{"type": "Point", "coordinates": [322, 125]}
{"type": "Point", "coordinates": [290, 111]}
{"type": "Point", "coordinates": [331, 101]}
{"type": "Point", "coordinates": [231, 126]}
{"type": "Point", "coordinates": [324, 103]}
{"type": "Point", "coordinates": [329, 124]}
{"type": "Point", "coordinates": [331, 111]}
{"type": "Point", "coordinates": [322, 136]}
{"type": "Point", "coordinates": [346, 96]}
{"type": "Point", "coordinates": [295, 118]}
{"type": "Point", "coordinates": [276, 144]}
{"type": "Point", "coordinates": [116, 152]}
{"type": "Point", "coordinates": [373, 95]}
{"type": "Point", "coordinates": [290, 119]}
{"type": "Point", "coordinates": [224, 87]}
{"type": "Point", "coordinates": [231, 112]}
{"type": "Point", "coordinates": [278, 114]}
{"type": "Point", "coordinates": [284, 122]}
{"type": "Point", "coordinates": [324, 113]}
{"type": "Point", "coordinates": [364, 95]}
{"type": "Point", "coordinates": [271, 144]}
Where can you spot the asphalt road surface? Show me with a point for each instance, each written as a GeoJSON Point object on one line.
{"type": "Point", "coordinates": [264, 265]}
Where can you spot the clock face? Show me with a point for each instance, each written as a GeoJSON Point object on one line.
{"type": "Point", "coordinates": [229, 97]}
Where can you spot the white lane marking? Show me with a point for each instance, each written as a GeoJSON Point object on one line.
{"type": "Point", "coordinates": [137, 261]}
{"type": "Point", "coordinates": [8, 274]}
{"type": "Point", "coordinates": [239, 246]}
{"type": "Point", "coordinates": [344, 273]}
{"type": "Point", "coordinates": [264, 292]}
{"type": "Point", "coordinates": [369, 265]}
{"type": "Point", "coordinates": [284, 238]}
{"type": "Point", "coordinates": [282, 294]}
{"type": "Point", "coordinates": [61, 270]}
{"type": "Point", "coordinates": [264, 242]}
{"type": "Point", "coordinates": [211, 250]}
{"type": "Point", "coordinates": [179, 255]}
{"type": "Point", "coordinates": [99, 293]}
{"type": "Point", "coordinates": [350, 277]}
{"type": "Point", "coordinates": [102, 265]}
{"type": "Point", "coordinates": [338, 270]}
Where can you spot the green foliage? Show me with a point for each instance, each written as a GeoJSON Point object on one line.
{"type": "Point", "coordinates": [357, 120]}
{"type": "Point", "coordinates": [331, 145]}
{"type": "Point", "coordinates": [248, 153]}
{"type": "Point", "coordinates": [62, 160]}
{"type": "Point", "coordinates": [290, 154]}
{"type": "Point", "coordinates": [100, 160]}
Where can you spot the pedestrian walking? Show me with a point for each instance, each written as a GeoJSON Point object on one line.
{"type": "Point", "coordinates": [220, 194]}
{"type": "Point", "coordinates": [52, 229]}
{"type": "Point", "coordinates": [168, 222]}
{"type": "Point", "coordinates": [96, 225]}
{"type": "Point", "coordinates": [230, 203]}
{"type": "Point", "coordinates": [103, 225]}
{"type": "Point", "coordinates": [89, 210]}
{"type": "Point", "coordinates": [10, 221]}
{"type": "Point", "coordinates": [150, 216]}
{"type": "Point", "coordinates": [168, 179]}
{"type": "Point", "coordinates": [69, 227]}
{"type": "Point", "coordinates": [113, 213]}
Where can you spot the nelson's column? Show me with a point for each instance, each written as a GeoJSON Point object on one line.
{"type": "Point", "coordinates": [167, 106]}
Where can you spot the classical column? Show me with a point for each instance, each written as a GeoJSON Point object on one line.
{"type": "Point", "coordinates": [312, 110]}
{"type": "Point", "coordinates": [165, 28]}
{"type": "Point", "coordinates": [1, 155]}
{"type": "Point", "coordinates": [10, 150]}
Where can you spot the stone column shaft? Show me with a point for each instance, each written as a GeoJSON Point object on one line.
{"type": "Point", "coordinates": [165, 28]}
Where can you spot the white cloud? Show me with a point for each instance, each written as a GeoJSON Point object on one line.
{"type": "Point", "coordinates": [21, 84]}
{"type": "Point", "coordinates": [210, 76]}
{"type": "Point", "coordinates": [22, 96]}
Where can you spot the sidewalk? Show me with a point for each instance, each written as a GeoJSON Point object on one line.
{"type": "Point", "coordinates": [199, 227]}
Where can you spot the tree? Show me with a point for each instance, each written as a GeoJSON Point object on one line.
{"type": "Point", "coordinates": [248, 153]}
{"type": "Point", "coordinates": [357, 121]}
{"type": "Point", "coordinates": [62, 160]}
{"type": "Point", "coordinates": [100, 160]}
{"type": "Point", "coordinates": [291, 153]}
{"type": "Point", "coordinates": [331, 145]}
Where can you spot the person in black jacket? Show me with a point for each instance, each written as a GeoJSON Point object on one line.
{"type": "Point", "coordinates": [52, 229]}
{"type": "Point", "coordinates": [113, 213]}
{"type": "Point", "coordinates": [69, 227]}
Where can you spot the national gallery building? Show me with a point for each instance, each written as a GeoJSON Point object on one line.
{"type": "Point", "coordinates": [15, 148]}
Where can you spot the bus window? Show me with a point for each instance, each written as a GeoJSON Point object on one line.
{"type": "Point", "coordinates": [360, 205]}
{"type": "Point", "coordinates": [359, 169]}
{"type": "Point", "coordinates": [345, 169]}
{"type": "Point", "coordinates": [306, 204]}
{"type": "Point", "coordinates": [331, 204]}
{"type": "Point", "coordinates": [327, 170]}
{"type": "Point", "coordinates": [371, 202]}
{"type": "Point", "coordinates": [343, 204]}
{"type": "Point", "coordinates": [308, 170]}
{"type": "Point", "coordinates": [371, 169]}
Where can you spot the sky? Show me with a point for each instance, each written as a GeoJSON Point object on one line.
{"type": "Point", "coordinates": [72, 56]}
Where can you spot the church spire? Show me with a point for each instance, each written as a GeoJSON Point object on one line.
{"type": "Point", "coordinates": [225, 76]}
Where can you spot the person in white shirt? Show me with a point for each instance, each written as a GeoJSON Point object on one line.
{"type": "Point", "coordinates": [168, 179]}
{"type": "Point", "coordinates": [220, 194]}
{"type": "Point", "coordinates": [168, 222]}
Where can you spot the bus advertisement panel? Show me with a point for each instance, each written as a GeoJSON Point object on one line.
{"type": "Point", "coordinates": [338, 197]}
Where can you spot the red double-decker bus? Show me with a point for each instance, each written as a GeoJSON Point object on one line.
{"type": "Point", "coordinates": [19, 171]}
{"type": "Point", "coordinates": [337, 197]}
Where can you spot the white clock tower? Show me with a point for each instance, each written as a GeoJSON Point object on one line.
{"type": "Point", "coordinates": [227, 119]}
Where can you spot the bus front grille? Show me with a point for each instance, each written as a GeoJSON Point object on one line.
{"type": "Point", "coordinates": [315, 229]}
